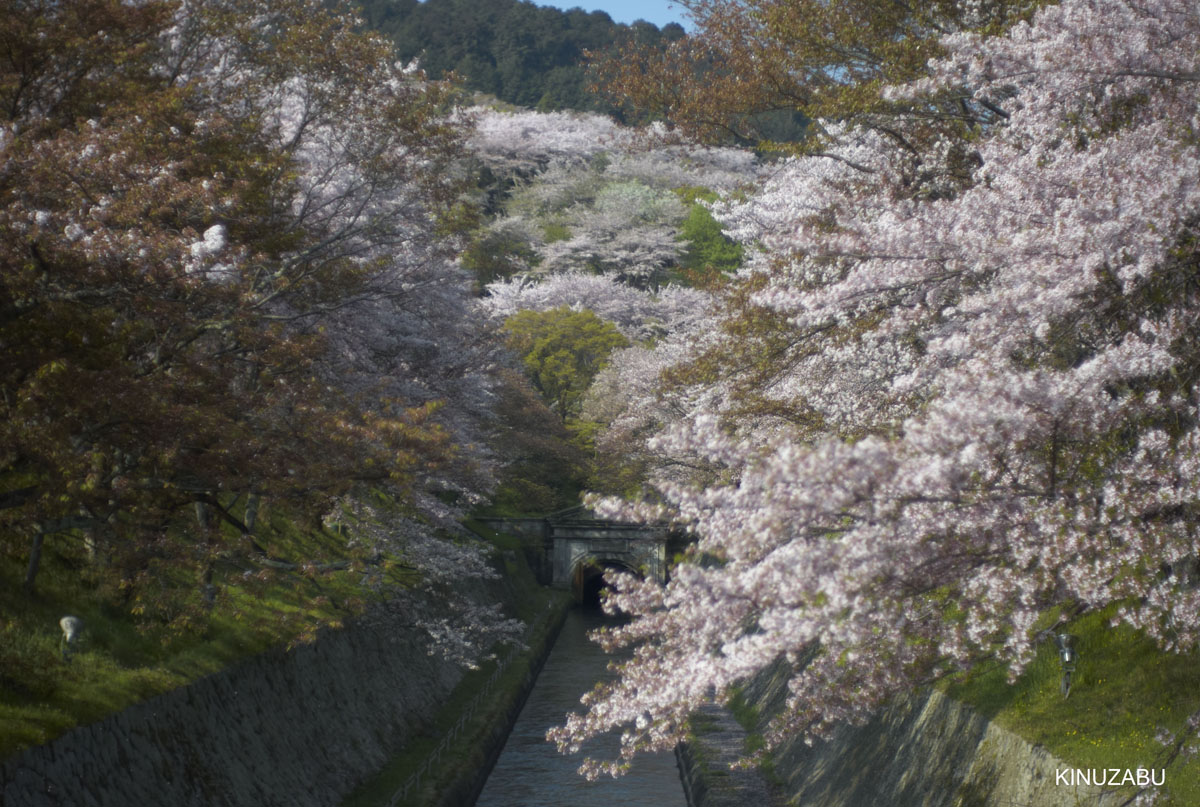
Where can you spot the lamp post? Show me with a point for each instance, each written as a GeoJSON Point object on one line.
{"type": "Point", "coordinates": [1068, 656]}
{"type": "Point", "coordinates": [71, 627]}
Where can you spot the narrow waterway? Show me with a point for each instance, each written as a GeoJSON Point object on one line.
{"type": "Point", "coordinates": [531, 773]}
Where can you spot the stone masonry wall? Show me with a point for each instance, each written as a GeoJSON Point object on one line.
{"type": "Point", "coordinates": [929, 751]}
{"type": "Point", "coordinates": [925, 751]}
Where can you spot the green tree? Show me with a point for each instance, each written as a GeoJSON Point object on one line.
{"type": "Point", "coordinates": [523, 53]}
{"type": "Point", "coordinates": [497, 255]}
{"type": "Point", "coordinates": [708, 247]}
{"type": "Point", "coordinates": [563, 350]}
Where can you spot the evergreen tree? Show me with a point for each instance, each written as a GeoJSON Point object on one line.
{"type": "Point", "coordinates": [520, 52]}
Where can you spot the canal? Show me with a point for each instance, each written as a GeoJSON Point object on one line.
{"type": "Point", "coordinates": [531, 773]}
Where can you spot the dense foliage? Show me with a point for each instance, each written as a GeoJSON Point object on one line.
{"type": "Point", "coordinates": [592, 219]}
{"type": "Point", "coordinates": [752, 69]}
{"type": "Point", "coordinates": [562, 350]}
{"type": "Point", "coordinates": [924, 393]}
{"type": "Point", "coordinates": [953, 397]}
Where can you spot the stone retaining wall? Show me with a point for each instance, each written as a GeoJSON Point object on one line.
{"type": "Point", "coordinates": [925, 751]}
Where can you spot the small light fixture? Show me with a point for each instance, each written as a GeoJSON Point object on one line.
{"type": "Point", "coordinates": [71, 628]}
{"type": "Point", "coordinates": [1068, 655]}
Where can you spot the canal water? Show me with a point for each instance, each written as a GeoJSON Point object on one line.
{"type": "Point", "coordinates": [531, 773]}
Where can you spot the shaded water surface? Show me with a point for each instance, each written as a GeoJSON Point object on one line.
{"type": "Point", "coordinates": [531, 773]}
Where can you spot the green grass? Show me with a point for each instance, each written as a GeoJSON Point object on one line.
{"type": "Point", "coordinates": [1124, 690]}
{"type": "Point", "coordinates": [124, 657]}
{"type": "Point", "coordinates": [116, 664]}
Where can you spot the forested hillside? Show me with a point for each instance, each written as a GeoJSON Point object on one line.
{"type": "Point", "coordinates": [600, 249]}
{"type": "Point", "coordinates": [520, 52]}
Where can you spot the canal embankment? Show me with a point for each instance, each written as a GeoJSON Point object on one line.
{"type": "Point", "coordinates": [706, 764]}
{"type": "Point", "coordinates": [293, 728]}
{"type": "Point", "coordinates": [447, 764]}
{"type": "Point", "coordinates": [925, 750]}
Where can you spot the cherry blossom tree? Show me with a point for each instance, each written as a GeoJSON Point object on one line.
{"type": "Point", "coordinates": [601, 227]}
{"type": "Point", "coordinates": [588, 196]}
{"type": "Point", "coordinates": [638, 314]}
{"type": "Point", "coordinates": [966, 400]}
{"type": "Point", "coordinates": [461, 629]}
{"type": "Point", "coordinates": [522, 142]}
{"type": "Point", "coordinates": [228, 274]}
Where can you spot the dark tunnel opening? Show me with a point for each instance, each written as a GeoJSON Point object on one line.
{"type": "Point", "coordinates": [590, 583]}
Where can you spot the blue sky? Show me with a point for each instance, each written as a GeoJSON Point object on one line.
{"type": "Point", "coordinates": [659, 12]}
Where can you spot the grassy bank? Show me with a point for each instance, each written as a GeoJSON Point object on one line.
{"type": "Point", "coordinates": [127, 651]}
{"type": "Point", "coordinates": [1124, 691]}
{"type": "Point", "coordinates": [133, 648]}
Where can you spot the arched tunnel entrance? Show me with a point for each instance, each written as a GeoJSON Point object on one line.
{"type": "Point", "coordinates": [588, 579]}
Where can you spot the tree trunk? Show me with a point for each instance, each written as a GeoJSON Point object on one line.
{"type": "Point", "coordinates": [35, 560]}
{"type": "Point", "coordinates": [202, 516]}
